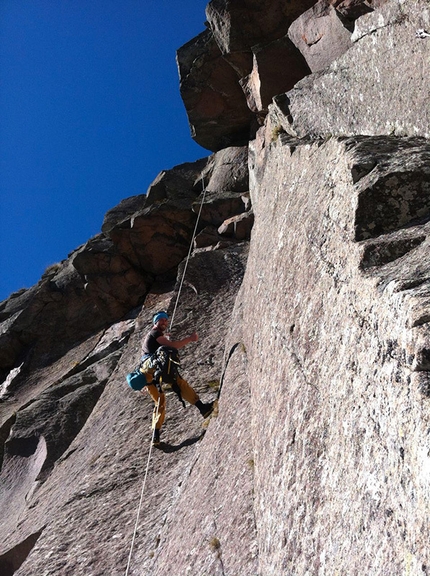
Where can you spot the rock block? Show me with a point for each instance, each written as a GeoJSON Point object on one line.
{"type": "Point", "coordinates": [215, 104]}
{"type": "Point", "coordinates": [369, 89]}
{"type": "Point", "coordinates": [277, 67]}
{"type": "Point", "coordinates": [321, 35]}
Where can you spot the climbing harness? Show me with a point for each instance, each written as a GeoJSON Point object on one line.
{"type": "Point", "coordinates": [158, 402]}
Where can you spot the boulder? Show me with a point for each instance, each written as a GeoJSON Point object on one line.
{"type": "Point", "coordinates": [215, 104]}
{"type": "Point", "coordinates": [227, 170]}
{"type": "Point", "coordinates": [180, 183]}
{"type": "Point", "coordinates": [321, 35]}
{"type": "Point", "coordinates": [153, 240]}
{"type": "Point", "coordinates": [122, 210]}
{"type": "Point", "coordinates": [111, 281]}
{"type": "Point", "coordinates": [156, 239]}
{"type": "Point", "coordinates": [40, 324]}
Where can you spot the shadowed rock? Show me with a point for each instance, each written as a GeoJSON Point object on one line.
{"type": "Point", "coordinates": [353, 9]}
{"type": "Point", "coordinates": [215, 104]}
{"type": "Point", "coordinates": [43, 322]}
{"type": "Point", "coordinates": [238, 226]}
{"type": "Point", "coordinates": [277, 67]}
{"type": "Point", "coordinates": [396, 192]}
{"type": "Point", "coordinates": [11, 560]}
{"type": "Point", "coordinates": [111, 281]}
{"type": "Point", "coordinates": [239, 25]}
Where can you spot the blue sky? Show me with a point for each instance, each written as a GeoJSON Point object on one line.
{"type": "Point", "coordinates": [90, 113]}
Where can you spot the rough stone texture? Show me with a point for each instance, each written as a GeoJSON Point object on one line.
{"type": "Point", "coordinates": [241, 24]}
{"type": "Point", "coordinates": [211, 65]}
{"type": "Point", "coordinates": [380, 86]}
{"type": "Point", "coordinates": [227, 170]}
{"type": "Point", "coordinates": [222, 505]}
{"type": "Point", "coordinates": [345, 357]}
{"type": "Point", "coordinates": [99, 476]}
{"type": "Point", "coordinates": [111, 281]}
{"type": "Point", "coordinates": [124, 209]}
{"type": "Point", "coordinates": [321, 35]}
{"type": "Point", "coordinates": [277, 67]}
{"type": "Point", "coordinates": [392, 182]}
{"type": "Point", "coordinates": [314, 337]}
{"type": "Point", "coordinates": [353, 9]}
{"type": "Point", "coordinates": [42, 322]}
{"type": "Point", "coordinates": [238, 226]}
{"type": "Point", "coordinates": [215, 104]}
{"type": "Point", "coordinates": [220, 206]}
{"type": "Point", "coordinates": [156, 239]}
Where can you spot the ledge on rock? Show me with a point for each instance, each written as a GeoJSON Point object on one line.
{"type": "Point", "coordinates": [353, 9]}
{"type": "Point", "coordinates": [396, 192]}
{"type": "Point", "coordinates": [238, 226]}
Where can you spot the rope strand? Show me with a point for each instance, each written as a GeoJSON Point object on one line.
{"type": "Point", "coordinates": [143, 490]}
{"type": "Point", "coordinates": [189, 253]}
{"type": "Point", "coordinates": [158, 402]}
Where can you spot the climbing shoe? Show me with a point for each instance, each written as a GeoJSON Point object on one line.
{"type": "Point", "coordinates": [156, 438]}
{"type": "Point", "coordinates": [205, 409]}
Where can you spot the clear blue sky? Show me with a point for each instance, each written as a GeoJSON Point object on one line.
{"type": "Point", "coordinates": [90, 113]}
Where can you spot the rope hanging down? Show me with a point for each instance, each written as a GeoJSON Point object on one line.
{"type": "Point", "coordinates": [189, 253]}
{"type": "Point", "coordinates": [158, 403]}
{"type": "Point", "coordinates": [142, 491]}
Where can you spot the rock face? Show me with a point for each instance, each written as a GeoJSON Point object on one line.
{"type": "Point", "coordinates": [252, 51]}
{"type": "Point", "coordinates": [371, 88]}
{"type": "Point", "coordinates": [308, 284]}
{"type": "Point", "coordinates": [347, 427]}
{"type": "Point", "coordinates": [321, 35]}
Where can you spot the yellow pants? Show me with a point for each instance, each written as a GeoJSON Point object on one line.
{"type": "Point", "coordinates": [158, 416]}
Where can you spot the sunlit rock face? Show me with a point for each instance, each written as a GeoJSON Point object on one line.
{"type": "Point", "coordinates": [299, 252]}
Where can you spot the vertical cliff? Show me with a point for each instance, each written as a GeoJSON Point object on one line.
{"type": "Point", "coordinates": [314, 326]}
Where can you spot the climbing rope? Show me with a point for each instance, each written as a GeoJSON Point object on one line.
{"type": "Point", "coordinates": [143, 488]}
{"type": "Point", "coordinates": [158, 402]}
{"type": "Point", "coordinates": [189, 253]}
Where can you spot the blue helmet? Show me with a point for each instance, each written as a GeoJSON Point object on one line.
{"type": "Point", "coordinates": [158, 316]}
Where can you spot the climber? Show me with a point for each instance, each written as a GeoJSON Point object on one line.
{"type": "Point", "coordinates": [154, 340]}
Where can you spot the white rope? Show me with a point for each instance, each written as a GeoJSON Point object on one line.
{"type": "Point", "coordinates": [158, 402]}
{"type": "Point", "coordinates": [189, 254]}
{"type": "Point", "coordinates": [143, 490]}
